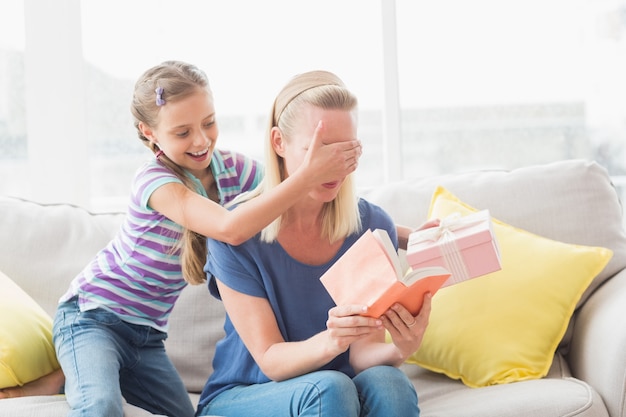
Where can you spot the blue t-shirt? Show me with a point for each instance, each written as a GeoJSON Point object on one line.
{"type": "Point", "coordinates": [299, 300]}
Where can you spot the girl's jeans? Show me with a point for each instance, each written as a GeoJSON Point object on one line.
{"type": "Point", "coordinates": [105, 358]}
{"type": "Point", "coordinates": [381, 391]}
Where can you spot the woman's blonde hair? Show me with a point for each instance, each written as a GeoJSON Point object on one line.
{"type": "Point", "coordinates": [175, 80]}
{"type": "Point", "coordinates": [322, 89]}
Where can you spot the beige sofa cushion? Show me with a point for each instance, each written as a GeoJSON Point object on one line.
{"type": "Point", "coordinates": [195, 327]}
{"type": "Point", "coordinates": [557, 395]}
{"type": "Point", "coordinates": [52, 405]}
{"type": "Point", "coordinates": [49, 244]}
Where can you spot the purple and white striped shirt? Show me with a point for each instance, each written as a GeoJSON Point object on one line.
{"type": "Point", "coordinates": [138, 274]}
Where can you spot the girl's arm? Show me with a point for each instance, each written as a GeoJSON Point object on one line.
{"type": "Point", "coordinates": [406, 333]}
{"type": "Point", "coordinates": [325, 163]}
{"type": "Point", "coordinates": [255, 323]}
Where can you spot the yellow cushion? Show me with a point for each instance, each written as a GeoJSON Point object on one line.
{"type": "Point", "coordinates": [26, 349]}
{"type": "Point", "coordinates": [506, 326]}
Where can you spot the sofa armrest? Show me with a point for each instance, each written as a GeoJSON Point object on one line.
{"type": "Point", "coordinates": [598, 349]}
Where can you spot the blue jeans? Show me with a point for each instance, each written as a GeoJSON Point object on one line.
{"type": "Point", "coordinates": [381, 391]}
{"type": "Point", "coordinates": [105, 358]}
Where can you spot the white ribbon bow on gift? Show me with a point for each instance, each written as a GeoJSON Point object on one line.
{"type": "Point", "coordinates": [447, 225]}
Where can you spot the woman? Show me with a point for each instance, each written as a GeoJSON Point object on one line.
{"type": "Point", "coordinates": [288, 350]}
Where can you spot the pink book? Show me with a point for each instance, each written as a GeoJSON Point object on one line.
{"type": "Point", "coordinates": [369, 273]}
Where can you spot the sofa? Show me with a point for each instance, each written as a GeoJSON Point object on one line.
{"type": "Point", "coordinates": [43, 246]}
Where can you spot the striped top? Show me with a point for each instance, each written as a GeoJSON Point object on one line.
{"type": "Point", "coordinates": [138, 274]}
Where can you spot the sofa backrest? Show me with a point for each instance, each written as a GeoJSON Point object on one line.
{"type": "Point", "coordinates": [43, 246]}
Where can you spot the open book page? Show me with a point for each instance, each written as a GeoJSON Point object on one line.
{"type": "Point", "coordinates": [413, 275]}
{"type": "Point", "coordinates": [409, 276]}
{"type": "Point", "coordinates": [386, 244]}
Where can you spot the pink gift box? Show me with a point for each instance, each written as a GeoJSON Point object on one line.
{"type": "Point", "coordinates": [464, 245]}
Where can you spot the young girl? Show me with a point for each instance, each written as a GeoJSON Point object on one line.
{"type": "Point", "coordinates": [288, 350]}
{"type": "Point", "coordinates": [111, 323]}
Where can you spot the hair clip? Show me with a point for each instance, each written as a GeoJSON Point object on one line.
{"type": "Point", "coordinates": [159, 96]}
{"type": "Point", "coordinates": [159, 153]}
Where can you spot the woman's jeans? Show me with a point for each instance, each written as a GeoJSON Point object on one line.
{"type": "Point", "coordinates": [105, 358]}
{"type": "Point", "coordinates": [381, 391]}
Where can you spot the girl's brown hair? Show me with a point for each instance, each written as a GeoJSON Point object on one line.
{"type": "Point", "coordinates": [177, 80]}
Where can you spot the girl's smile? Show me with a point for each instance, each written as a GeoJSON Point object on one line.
{"type": "Point", "coordinates": [201, 155]}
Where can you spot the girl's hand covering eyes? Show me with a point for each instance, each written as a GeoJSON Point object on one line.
{"type": "Point", "coordinates": [330, 162]}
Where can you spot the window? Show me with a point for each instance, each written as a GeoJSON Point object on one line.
{"type": "Point", "coordinates": [527, 82]}
{"type": "Point", "coordinates": [13, 145]}
{"type": "Point", "coordinates": [443, 86]}
{"type": "Point", "coordinates": [530, 81]}
{"type": "Point", "coordinates": [249, 49]}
